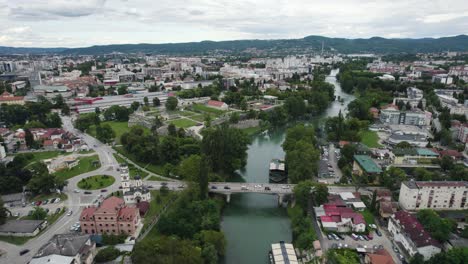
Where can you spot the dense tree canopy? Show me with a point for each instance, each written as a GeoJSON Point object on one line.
{"type": "Point", "coordinates": [440, 228]}
{"type": "Point", "coordinates": [166, 250]}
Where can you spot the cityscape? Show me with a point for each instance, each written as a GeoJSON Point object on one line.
{"type": "Point", "coordinates": [319, 145]}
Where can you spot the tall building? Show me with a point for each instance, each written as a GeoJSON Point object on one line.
{"type": "Point", "coordinates": [391, 115]}
{"type": "Point", "coordinates": [133, 190]}
{"type": "Point", "coordinates": [112, 217]}
{"type": "Point", "coordinates": [437, 195]}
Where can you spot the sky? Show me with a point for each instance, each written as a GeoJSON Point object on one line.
{"type": "Point", "coordinates": [82, 23]}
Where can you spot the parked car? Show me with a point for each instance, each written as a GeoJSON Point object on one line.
{"type": "Point", "coordinates": [45, 202]}
{"type": "Point", "coordinates": [47, 210]}
{"type": "Point", "coordinates": [88, 192]}
{"type": "Point", "coordinates": [23, 204]}
{"type": "Point", "coordinates": [370, 237]}
{"type": "Point", "coordinates": [330, 237]}
{"type": "Point", "coordinates": [76, 191]}
{"type": "Point", "coordinates": [214, 187]}
{"type": "Point", "coordinates": [24, 251]}
{"type": "Point", "coordinates": [378, 232]}
{"type": "Point", "coordinates": [395, 249]}
{"type": "Point", "coordinates": [103, 190]}
{"type": "Point", "coordinates": [58, 210]}
{"type": "Point", "coordinates": [354, 236]}
{"type": "Point", "coordinates": [70, 213]}
{"type": "Point", "coordinates": [38, 203]}
{"type": "Point", "coordinates": [340, 236]}
{"type": "Point", "coordinates": [57, 200]}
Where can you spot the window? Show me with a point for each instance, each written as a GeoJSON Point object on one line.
{"type": "Point", "coordinates": [128, 224]}
{"type": "Point", "coordinates": [99, 218]}
{"type": "Point", "coordinates": [84, 224]}
{"type": "Point", "coordinates": [100, 224]}
{"type": "Point", "coordinates": [107, 224]}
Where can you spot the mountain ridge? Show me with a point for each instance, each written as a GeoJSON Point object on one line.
{"type": "Point", "coordinates": [309, 43]}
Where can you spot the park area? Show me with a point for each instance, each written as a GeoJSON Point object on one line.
{"type": "Point", "coordinates": [96, 182]}
{"type": "Point", "coordinates": [86, 164]}
{"type": "Point", "coordinates": [118, 127]}
{"type": "Point", "coordinates": [183, 122]}
{"type": "Point", "coordinates": [370, 139]}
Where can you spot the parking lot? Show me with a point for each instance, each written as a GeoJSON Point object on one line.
{"type": "Point", "coordinates": [376, 242]}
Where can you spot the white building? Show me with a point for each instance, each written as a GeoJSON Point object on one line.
{"type": "Point", "coordinates": [406, 230]}
{"type": "Point", "coordinates": [436, 195]}
{"type": "Point", "coordinates": [442, 78]}
{"type": "Point", "coordinates": [391, 115]}
{"type": "Point", "coordinates": [133, 190]}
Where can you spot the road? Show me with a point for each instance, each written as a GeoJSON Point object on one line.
{"type": "Point", "coordinates": [75, 200]}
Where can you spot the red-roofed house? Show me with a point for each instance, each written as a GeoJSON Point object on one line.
{"type": "Point", "coordinates": [406, 229]}
{"type": "Point", "coordinates": [217, 104]}
{"type": "Point", "coordinates": [340, 218]}
{"type": "Point", "coordinates": [111, 217]}
{"type": "Point", "coordinates": [451, 153]}
{"type": "Point", "coordinates": [381, 256]}
{"type": "Point", "coordinates": [7, 98]}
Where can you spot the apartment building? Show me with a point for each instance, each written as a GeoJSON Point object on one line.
{"type": "Point", "coordinates": [392, 115]}
{"type": "Point", "coordinates": [112, 217]}
{"type": "Point", "coordinates": [410, 234]}
{"type": "Point", "coordinates": [436, 195]}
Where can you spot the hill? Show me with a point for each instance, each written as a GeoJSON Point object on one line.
{"type": "Point", "coordinates": [280, 46]}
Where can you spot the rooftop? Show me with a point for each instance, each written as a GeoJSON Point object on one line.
{"type": "Point", "coordinates": [21, 226]}
{"type": "Point", "coordinates": [415, 230]}
{"type": "Point", "coordinates": [65, 245]}
{"type": "Point", "coordinates": [367, 164]}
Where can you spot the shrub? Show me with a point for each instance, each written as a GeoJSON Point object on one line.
{"type": "Point", "coordinates": [107, 254]}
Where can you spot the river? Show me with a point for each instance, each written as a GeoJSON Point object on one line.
{"type": "Point", "coordinates": [252, 222]}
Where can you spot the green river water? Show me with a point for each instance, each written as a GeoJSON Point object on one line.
{"type": "Point", "coordinates": [252, 222]}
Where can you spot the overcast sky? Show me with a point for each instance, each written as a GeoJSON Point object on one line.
{"type": "Point", "coordinates": [78, 23]}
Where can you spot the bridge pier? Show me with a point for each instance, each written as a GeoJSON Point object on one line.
{"type": "Point", "coordinates": [280, 199]}
{"type": "Point", "coordinates": [228, 197]}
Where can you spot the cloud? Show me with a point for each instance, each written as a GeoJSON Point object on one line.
{"type": "Point", "coordinates": [44, 9]}
{"type": "Point", "coordinates": [89, 22]}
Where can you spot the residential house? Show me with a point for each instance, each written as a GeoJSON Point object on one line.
{"type": "Point", "coordinates": [78, 247]}
{"type": "Point", "coordinates": [407, 231]}
{"type": "Point", "coordinates": [339, 218]}
{"type": "Point", "coordinates": [380, 256]}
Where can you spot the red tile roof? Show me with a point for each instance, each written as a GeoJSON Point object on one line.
{"type": "Point", "coordinates": [381, 257]}
{"type": "Point", "coordinates": [128, 213]}
{"type": "Point", "coordinates": [143, 207]}
{"type": "Point", "coordinates": [87, 213]}
{"type": "Point", "coordinates": [111, 204]}
{"type": "Point", "coordinates": [216, 103]}
{"type": "Point", "coordinates": [415, 230]}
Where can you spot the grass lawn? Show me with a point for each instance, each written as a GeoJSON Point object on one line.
{"type": "Point", "coordinates": [133, 170]}
{"type": "Point", "coordinates": [85, 165]}
{"type": "Point", "coordinates": [183, 122]}
{"type": "Point", "coordinates": [96, 182]}
{"type": "Point", "coordinates": [151, 167]}
{"type": "Point", "coordinates": [157, 203]}
{"type": "Point", "coordinates": [39, 156]}
{"type": "Point", "coordinates": [156, 178]}
{"type": "Point", "coordinates": [206, 109]}
{"type": "Point", "coordinates": [199, 118]}
{"type": "Point", "coordinates": [368, 216]}
{"type": "Point", "coordinates": [118, 127]}
{"type": "Point", "coordinates": [370, 139]}
{"type": "Point", "coordinates": [51, 218]}
{"type": "Point", "coordinates": [42, 197]}
{"type": "Point", "coordinates": [187, 113]}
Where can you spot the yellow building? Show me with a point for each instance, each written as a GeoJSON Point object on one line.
{"type": "Point", "coordinates": [7, 98]}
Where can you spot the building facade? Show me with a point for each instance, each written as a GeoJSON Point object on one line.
{"type": "Point", "coordinates": [407, 231]}
{"type": "Point", "coordinates": [112, 217]}
{"type": "Point", "coordinates": [436, 195]}
{"type": "Point", "coordinates": [393, 116]}
{"type": "Point", "coordinates": [133, 190]}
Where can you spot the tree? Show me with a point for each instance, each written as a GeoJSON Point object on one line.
{"type": "Point", "coordinates": [122, 90]}
{"type": "Point", "coordinates": [393, 177]}
{"type": "Point", "coordinates": [156, 102]}
{"type": "Point", "coordinates": [146, 101]}
{"type": "Point", "coordinates": [243, 105]}
{"type": "Point", "coordinates": [302, 161]}
{"type": "Point", "coordinates": [215, 238]}
{"type": "Point", "coordinates": [39, 213]}
{"type": "Point", "coordinates": [189, 168]}
{"type": "Point", "coordinates": [58, 100]}
{"type": "Point", "coordinates": [234, 118]}
{"type": "Point", "coordinates": [225, 148]}
{"type": "Point", "coordinates": [440, 228]}
{"type": "Point", "coordinates": [209, 254]}
{"type": "Point", "coordinates": [171, 103]}
{"type": "Point", "coordinates": [42, 181]}
{"type": "Point", "coordinates": [417, 259]}
{"type": "Point", "coordinates": [342, 256]}
{"type": "Point", "coordinates": [171, 130]}
{"type": "Point", "coordinates": [203, 179]}
{"type": "Point", "coordinates": [295, 106]}
{"type": "Point", "coordinates": [107, 254]}
{"type": "Point", "coordinates": [373, 205]}
{"type": "Point", "coordinates": [446, 163]}
{"type": "Point", "coordinates": [166, 250]}
{"type": "Point", "coordinates": [457, 255]}
{"type": "Point", "coordinates": [3, 212]}
{"type": "Point", "coordinates": [403, 145]}
{"type": "Point", "coordinates": [302, 192]}
{"type": "Point", "coordinates": [105, 133]}
{"type": "Point", "coordinates": [65, 110]}
{"type": "Point", "coordinates": [134, 106]}
{"type": "Point", "coordinates": [29, 138]}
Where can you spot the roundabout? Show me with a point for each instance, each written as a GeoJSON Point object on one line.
{"type": "Point", "coordinates": [96, 182]}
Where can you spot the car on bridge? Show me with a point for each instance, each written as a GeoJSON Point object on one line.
{"type": "Point", "coordinates": [227, 187]}
{"type": "Point", "coordinates": [267, 188]}
{"type": "Point", "coordinates": [214, 187]}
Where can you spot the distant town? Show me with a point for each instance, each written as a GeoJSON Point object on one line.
{"type": "Point", "coordinates": [142, 158]}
